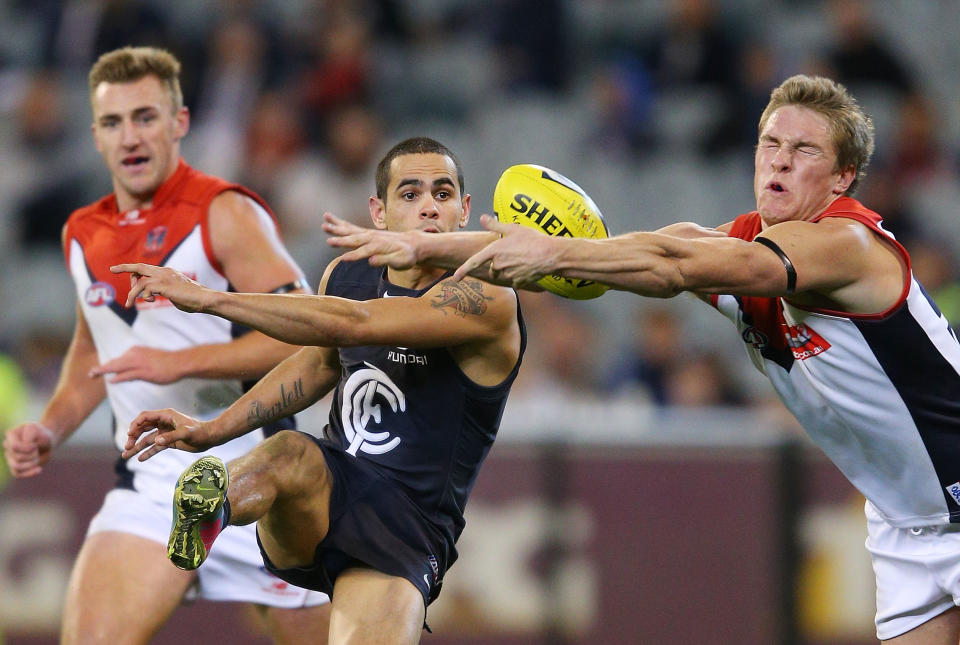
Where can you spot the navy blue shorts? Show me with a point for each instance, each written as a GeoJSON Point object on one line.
{"type": "Point", "coordinates": [372, 524]}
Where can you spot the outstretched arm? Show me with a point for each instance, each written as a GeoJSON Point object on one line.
{"type": "Point", "coordinates": [449, 251]}
{"type": "Point", "coordinates": [406, 249]}
{"type": "Point", "coordinates": [292, 386]}
{"type": "Point", "coordinates": [335, 322]}
{"type": "Point", "coordinates": [839, 263]}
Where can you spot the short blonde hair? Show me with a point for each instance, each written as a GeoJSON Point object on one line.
{"type": "Point", "coordinates": [851, 128]}
{"type": "Point", "coordinates": [129, 64]}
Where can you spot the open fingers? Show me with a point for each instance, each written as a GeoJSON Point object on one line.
{"type": "Point", "coordinates": [337, 226]}
{"type": "Point", "coordinates": [144, 441]}
{"type": "Point", "coordinates": [476, 260]}
{"type": "Point", "coordinates": [148, 421]}
{"type": "Point", "coordinates": [491, 223]}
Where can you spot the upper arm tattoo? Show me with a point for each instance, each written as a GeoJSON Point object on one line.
{"type": "Point", "coordinates": [464, 297]}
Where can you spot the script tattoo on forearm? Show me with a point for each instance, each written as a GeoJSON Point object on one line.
{"type": "Point", "coordinates": [464, 297]}
{"type": "Point", "coordinates": [260, 415]}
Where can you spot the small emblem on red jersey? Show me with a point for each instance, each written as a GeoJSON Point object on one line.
{"type": "Point", "coordinates": [804, 342]}
{"type": "Point", "coordinates": [99, 294]}
{"type": "Point", "coordinates": [155, 239]}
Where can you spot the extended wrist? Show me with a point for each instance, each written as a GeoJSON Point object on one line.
{"type": "Point", "coordinates": [211, 301]}
{"type": "Point", "coordinates": [54, 436]}
{"type": "Point", "coordinates": [419, 245]}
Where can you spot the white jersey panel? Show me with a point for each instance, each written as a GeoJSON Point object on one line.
{"type": "Point", "coordinates": [160, 325]}
{"type": "Point", "coordinates": [857, 395]}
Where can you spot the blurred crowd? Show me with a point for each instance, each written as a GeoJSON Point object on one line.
{"type": "Point", "coordinates": [650, 105]}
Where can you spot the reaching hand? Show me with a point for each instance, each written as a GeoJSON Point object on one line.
{"type": "Point", "coordinates": [519, 258]}
{"type": "Point", "coordinates": [151, 281]}
{"type": "Point", "coordinates": [396, 250]}
{"type": "Point", "coordinates": [27, 448]}
{"type": "Point", "coordinates": [157, 430]}
{"type": "Point", "coordinates": [144, 364]}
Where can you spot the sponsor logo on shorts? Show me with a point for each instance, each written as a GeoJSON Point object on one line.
{"type": "Point", "coordinates": [364, 394]}
{"type": "Point", "coordinates": [954, 491]}
{"type": "Point", "coordinates": [99, 294]}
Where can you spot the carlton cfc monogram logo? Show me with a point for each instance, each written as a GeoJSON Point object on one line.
{"type": "Point", "coordinates": [363, 394]}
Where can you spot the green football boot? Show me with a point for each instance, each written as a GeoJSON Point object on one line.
{"type": "Point", "coordinates": [197, 512]}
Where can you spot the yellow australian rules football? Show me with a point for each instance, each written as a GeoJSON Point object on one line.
{"type": "Point", "coordinates": [543, 199]}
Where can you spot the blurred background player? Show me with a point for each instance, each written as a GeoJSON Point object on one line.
{"type": "Point", "coordinates": [422, 367]}
{"type": "Point", "coordinates": [122, 588]}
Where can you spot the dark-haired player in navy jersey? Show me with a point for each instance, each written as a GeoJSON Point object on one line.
{"type": "Point", "coordinates": [422, 366]}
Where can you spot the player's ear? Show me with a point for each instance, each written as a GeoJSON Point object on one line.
{"type": "Point", "coordinates": [465, 217]}
{"type": "Point", "coordinates": [378, 212]}
{"type": "Point", "coordinates": [181, 123]}
{"type": "Point", "coordinates": [844, 179]}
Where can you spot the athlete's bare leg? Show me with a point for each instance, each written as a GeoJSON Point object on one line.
{"type": "Point", "coordinates": [305, 626]}
{"type": "Point", "coordinates": [372, 608]}
{"type": "Point", "coordinates": [122, 590]}
{"type": "Point", "coordinates": [941, 630]}
{"type": "Point", "coordinates": [284, 485]}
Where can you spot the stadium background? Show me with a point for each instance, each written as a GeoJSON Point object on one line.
{"type": "Point", "coordinates": [645, 488]}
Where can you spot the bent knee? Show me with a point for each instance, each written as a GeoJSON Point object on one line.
{"type": "Point", "coordinates": [293, 453]}
{"type": "Point", "coordinates": [289, 444]}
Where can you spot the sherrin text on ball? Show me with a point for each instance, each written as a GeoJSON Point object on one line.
{"type": "Point", "coordinates": [543, 199]}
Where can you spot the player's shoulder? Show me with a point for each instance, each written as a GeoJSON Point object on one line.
{"type": "Point", "coordinates": [833, 230]}
{"type": "Point", "coordinates": [86, 220]}
{"type": "Point", "coordinates": [197, 186]}
{"type": "Point", "coordinates": [325, 278]}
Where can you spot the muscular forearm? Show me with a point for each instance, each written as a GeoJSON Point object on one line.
{"type": "Point", "coordinates": [646, 263]}
{"type": "Point", "coordinates": [248, 357]}
{"type": "Point", "coordinates": [661, 266]}
{"type": "Point", "coordinates": [290, 387]}
{"type": "Point", "coordinates": [76, 395]}
{"type": "Point", "coordinates": [290, 318]}
{"type": "Point", "coordinates": [450, 250]}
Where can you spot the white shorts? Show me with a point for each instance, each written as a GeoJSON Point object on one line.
{"type": "Point", "coordinates": [918, 572]}
{"type": "Point", "coordinates": [234, 569]}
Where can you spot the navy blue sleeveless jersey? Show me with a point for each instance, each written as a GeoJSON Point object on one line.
{"type": "Point", "coordinates": [412, 414]}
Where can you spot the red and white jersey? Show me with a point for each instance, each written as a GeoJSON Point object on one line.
{"type": "Point", "coordinates": [880, 394]}
{"type": "Point", "coordinates": [174, 233]}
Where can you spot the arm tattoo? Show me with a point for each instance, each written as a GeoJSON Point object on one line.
{"type": "Point", "coordinates": [259, 414]}
{"type": "Point", "coordinates": [464, 297]}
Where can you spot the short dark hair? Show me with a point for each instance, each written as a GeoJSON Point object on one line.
{"type": "Point", "coordinates": [413, 146]}
{"type": "Point", "coordinates": [850, 128]}
{"type": "Point", "coordinates": [130, 64]}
